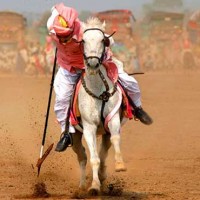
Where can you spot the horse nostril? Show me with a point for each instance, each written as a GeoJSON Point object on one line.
{"type": "Point", "coordinates": [93, 62]}
{"type": "Point", "coordinates": [97, 65]}
{"type": "Point", "coordinates": [88, 64]}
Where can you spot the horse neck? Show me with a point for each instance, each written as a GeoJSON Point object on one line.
{"type": "Point", "coordinates": [95, 83]}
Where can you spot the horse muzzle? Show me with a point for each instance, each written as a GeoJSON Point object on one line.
{"type": "Point", "coordinates": [93, 62]}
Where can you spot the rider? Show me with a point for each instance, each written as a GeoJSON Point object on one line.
{"type": "Point", "coordinates": [65, 29]}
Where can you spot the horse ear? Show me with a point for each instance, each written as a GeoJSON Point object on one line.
{"type": "Point", "coordinates": [104, 25]}
{"type": "Point", "coordinates": [106, 41]}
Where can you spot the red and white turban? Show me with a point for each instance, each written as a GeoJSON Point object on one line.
{"type": "Point", "coordinates": [63, 20]}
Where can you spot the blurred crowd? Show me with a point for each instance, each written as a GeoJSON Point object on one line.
{"type": "Point", "coordinates": [29, 58]}
{"type": "Point", "coordinates": [162, 50]}
{"type": "Point", "coordinates": [167, 50]}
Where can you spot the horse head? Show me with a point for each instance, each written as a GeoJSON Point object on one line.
{"type": "Point", "coordinates": [94, 43]}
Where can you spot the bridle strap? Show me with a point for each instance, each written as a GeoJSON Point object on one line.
{"type": "Point", "coordinates": [106, 94]}
{"type": "Point", "coordinates": [100, 59]}
{"type": "Point", "coordinates": [93, 29]}
{"type": "Point", "coordinates": [98, 29]}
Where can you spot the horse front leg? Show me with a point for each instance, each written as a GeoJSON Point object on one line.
{"type": "Point", "coordinates": [114, 127]}
{"type": "Point", "coordinates": [103, 153]}
{"type": "Point", "coordinates": [79, 149]}
{"type": "Point", "coordinates": [89, 132]}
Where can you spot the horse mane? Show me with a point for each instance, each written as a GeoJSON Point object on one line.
{"type": "Point", "coordinates": [94, 22]}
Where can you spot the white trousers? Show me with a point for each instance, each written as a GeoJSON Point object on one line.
{"type": "Point", "coordinates": [64, 84]}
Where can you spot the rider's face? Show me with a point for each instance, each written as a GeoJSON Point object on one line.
{"type": "Point", "coordinates": [64, 39]}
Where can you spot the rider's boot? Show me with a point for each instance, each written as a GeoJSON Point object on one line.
{"type": "Point", "coordinates": [142, 116]}
{"type": "Point", "coordinates": [65, 141]}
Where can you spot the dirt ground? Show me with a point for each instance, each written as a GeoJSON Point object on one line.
{"type": "Point", "coordinates": [162, 160]}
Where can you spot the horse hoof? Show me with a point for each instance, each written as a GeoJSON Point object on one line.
{"type": "Point", "coordinates": [120, 167]}
{"type": "Point", "coordinates": [93, 191]}
{"type": "Point", "coordinates": [95, 188]}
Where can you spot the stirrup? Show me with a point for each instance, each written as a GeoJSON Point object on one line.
{"type": "Point", "coordinates": [70, 136]}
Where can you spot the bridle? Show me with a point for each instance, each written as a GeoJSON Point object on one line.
{"type": "Point", "coordinates": [104, 96]}
{"type": "Point", "coordinates": [106, 43]}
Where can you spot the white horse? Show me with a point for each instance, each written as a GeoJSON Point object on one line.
{"type": "Point", "coordinates": [94, 105]}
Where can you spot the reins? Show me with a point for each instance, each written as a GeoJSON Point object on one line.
{"type": "Point", "coordinates": [106, 94]}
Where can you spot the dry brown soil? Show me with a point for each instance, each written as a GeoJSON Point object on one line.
{"type": "Point", "coordinates": [162, 160]}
